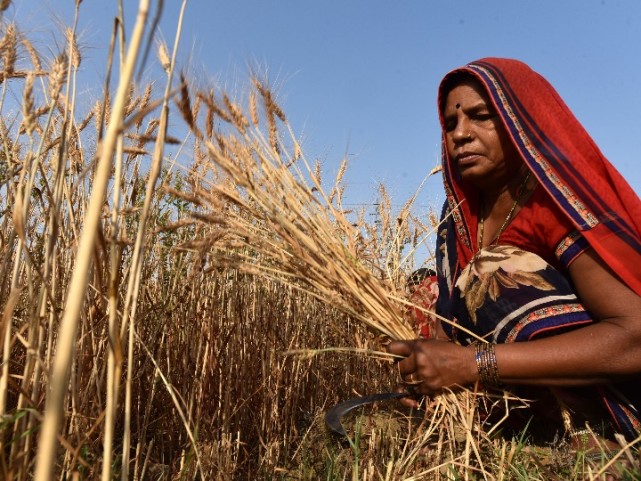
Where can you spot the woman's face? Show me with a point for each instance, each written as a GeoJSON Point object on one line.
{"type": "Point", "coordinates": [477, 142]}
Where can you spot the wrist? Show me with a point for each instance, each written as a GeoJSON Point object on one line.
{"type": "Point", "coordinates": [486, 364]}
{"type": "Point", "coordinates": [471, 368]}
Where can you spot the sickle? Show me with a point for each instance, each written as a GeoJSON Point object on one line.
{"type": "Point", "coordinates": [333, 416]}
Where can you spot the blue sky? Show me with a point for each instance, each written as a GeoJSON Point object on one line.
{"type": "Point", "coordinates": [360, 76]}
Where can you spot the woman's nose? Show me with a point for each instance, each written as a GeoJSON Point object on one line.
{"type": "Point", "coordinates": [462, 130]}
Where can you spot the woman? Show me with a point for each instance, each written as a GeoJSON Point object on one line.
{"type": "Point", "coordinates": [540, 242]}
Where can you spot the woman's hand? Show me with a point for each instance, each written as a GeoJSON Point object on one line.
{"type": "Point", "coordinates": [431, 365]}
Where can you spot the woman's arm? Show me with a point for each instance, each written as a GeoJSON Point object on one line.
{"type": "Point", "coordinates": [606, 351]}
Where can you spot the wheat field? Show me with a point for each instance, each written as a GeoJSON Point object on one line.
{"type": "Point", "coordinates": [188, 303]}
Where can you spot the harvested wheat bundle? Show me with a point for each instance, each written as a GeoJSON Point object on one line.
{"type": "Point", "coordinates": [270, 215]}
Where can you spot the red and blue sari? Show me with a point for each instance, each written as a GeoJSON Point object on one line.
{"type": "Point", "coordinates": [520, 290]}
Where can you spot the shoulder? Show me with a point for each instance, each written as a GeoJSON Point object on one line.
{"type": "Point", "coordinates": [602, 292]}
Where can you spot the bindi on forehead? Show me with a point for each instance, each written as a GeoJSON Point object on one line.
{"type": "Point", "coordinates": [458, 106]}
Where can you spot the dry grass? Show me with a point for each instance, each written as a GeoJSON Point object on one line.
{"type": "Point", "coordinates": [161, 344]}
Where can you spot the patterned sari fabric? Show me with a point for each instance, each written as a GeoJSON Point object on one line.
{"type": "Point", "coordinates": [423, 302]}
{"type": "Point", "coordinates": [515, 293]}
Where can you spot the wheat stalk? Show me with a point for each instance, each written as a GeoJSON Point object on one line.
{"type": "Point", "coordinates": [65, 345]}
{"type": "Point", "coordinates": [135, 277]}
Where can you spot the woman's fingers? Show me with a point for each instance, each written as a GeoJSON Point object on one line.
{"type": "Point", "coordinates": [401, 348]}
{"type": "Point", "coordinates": [412, 379]}
{"type": "Point", "coordinates": [406, 366]}
{"type": "Point", "coordinates": [407, 369]}
{"type": "Point", "coordinates": [431, 365]}
{"type": "Point", "coordinates": [410, 402]}
{"type": "Point", "coordinates": [418, 369]}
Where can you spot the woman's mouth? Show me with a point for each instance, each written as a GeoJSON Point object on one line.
{"type": "Point", "coordinates": [466, 159]}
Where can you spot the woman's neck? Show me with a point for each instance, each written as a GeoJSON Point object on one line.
{"type": "Point", "coordinates": [499, 206]}
{"type": "Point", "coordinates": [499, 199]}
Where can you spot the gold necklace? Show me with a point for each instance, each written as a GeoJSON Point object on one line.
{"type": "Point", "coordinates": [519, 195]}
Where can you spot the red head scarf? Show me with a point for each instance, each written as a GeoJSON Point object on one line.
{"type": "Point", "coordinates": [564, 159]}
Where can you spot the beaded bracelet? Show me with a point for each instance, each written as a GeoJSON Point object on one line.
{"type": "Point", "coordinates": [486, 364]}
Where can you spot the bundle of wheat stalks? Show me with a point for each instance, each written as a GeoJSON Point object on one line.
{"type": "Point", "coordinates": [274, 218]}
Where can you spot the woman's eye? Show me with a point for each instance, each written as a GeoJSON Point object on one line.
{"type": "Point", "coordinates": [483, 116]}
{"type": "Point", "coordinates": [450, 125]}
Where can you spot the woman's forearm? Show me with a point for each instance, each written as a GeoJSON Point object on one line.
{"type": "Point", "coordinates": [605, 352]}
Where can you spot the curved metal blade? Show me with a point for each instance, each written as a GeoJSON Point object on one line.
{"type": "Point", "coordinates": [334, 414]}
